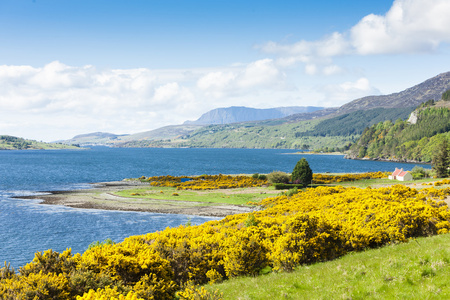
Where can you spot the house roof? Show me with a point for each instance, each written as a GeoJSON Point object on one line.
{"type": "Point", "coordinates": [397, 172]}
{"type": "Point", "coordinates": [403, 173]}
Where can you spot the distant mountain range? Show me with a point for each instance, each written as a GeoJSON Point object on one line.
{"type": "Point", "coordinates": [180, 135]}
{"type": "Point", "coordinates": [236, 114]}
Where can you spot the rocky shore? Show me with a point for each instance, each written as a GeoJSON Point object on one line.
{"type": "Point", "coordinates": [407, 161]}
{"type": "Point", "coordinates": [102, 196]}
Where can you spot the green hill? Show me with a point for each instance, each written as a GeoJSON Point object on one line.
{"type": "Point", "coordinates": [355, 122]}
{"type": "Point", "coordinates": [412, 140]}
{"type": "Point", "coordinates": [8, 142]}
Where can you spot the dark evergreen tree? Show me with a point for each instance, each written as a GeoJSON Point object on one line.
{"type": "Point", "coordinates": [441, 160]}
{"type": "Point", "coordinates": [302, 173]}
{"type": "Point", "coordinates": [446, 95]}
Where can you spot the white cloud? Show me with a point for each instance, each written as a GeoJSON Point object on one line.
{"type": "Point", "coordinates": [166, 92]}
{"type": "Point", "coordinates": [315, 54]}
{"type": "Point", "coordinates": [410, 26]}
{"type": "Point", "coordinates": [347, 91]}
{"type": "Point", "coordinates": [311, 69]}
{"type": "Point", "coordinates": [244, 79]}
{"type": "Point", "coordinates": [215, 84]}
{"type": "Point", "coordinates": [259, 73]}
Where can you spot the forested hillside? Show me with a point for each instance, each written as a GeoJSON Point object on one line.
{"type": "Point", "coordinates": [269, 135]}
{"type": "Point", "coordinates": [405, 141]}
{"type": "Point", "coordinates": [355, 123]}
{"type": "Point", "coordinates": [263, 136]}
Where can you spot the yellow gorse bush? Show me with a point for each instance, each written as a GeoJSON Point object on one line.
{"type": "Point", "coordinates": [108, 294]}
{"type": "Point", "coordinates": [206, 182]}
{"type": "Point", "coordinates": [442, 182]}
{"type": "Point", "coordinates": [316, 224]}
{"type": "Point", "coordinates": [192, 292]}
{"type": "Point", "coordinates": [326, 179]}
{"type": "Point", "coordinates": [35, 286]}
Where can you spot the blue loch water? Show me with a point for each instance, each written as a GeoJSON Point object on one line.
{"type": "Point", "coordinates": [27, 227]}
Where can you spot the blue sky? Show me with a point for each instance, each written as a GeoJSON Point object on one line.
{"type": "Point", "coordinates": [72, 67]}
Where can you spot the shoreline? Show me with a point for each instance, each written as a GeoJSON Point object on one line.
{"type": "Point", "coordinates": [387, 160]}
{"type": "Point", "coordinates": [101, 196]}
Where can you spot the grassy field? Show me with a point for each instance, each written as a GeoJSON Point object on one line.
{"type": "Point", "coordinates": [386, 182]}
{"type": "Point", "coordinates": [229, 196]}
{"type": "Point", "coordinates": [418, 269]}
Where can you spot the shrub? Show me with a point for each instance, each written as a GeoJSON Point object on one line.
{"type": "Point", "coordinates": [419, 172]}
{"type": "Point", "coordinates": [446, 95]}
{"type": "Point", "coordinates": [287, 186]}
{"type": "Point", "coordinates": [278, 177]}
{"type": "Point", "coordinates": [262, 177]}
{"type": "Point", "coordinates": [108, 241]}
{"type": "Point", "coordinates": [7, 271]}
{"type": "Point", "coordinates": [192, 291]}
{"type": "Point", "coordinates": [292, 192]}
{"type": "Point", "coordinates": [108, 293]}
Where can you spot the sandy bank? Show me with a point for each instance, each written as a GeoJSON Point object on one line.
{"type": "Point", "coordinates": [101, 196]}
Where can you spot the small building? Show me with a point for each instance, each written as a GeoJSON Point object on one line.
{"type": "Point", "coordinates": [401, 175]}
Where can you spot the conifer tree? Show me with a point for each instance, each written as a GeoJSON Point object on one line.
{"type": "Point", "coordinates": [441, 161]}
{"type": "Point", "coordinates": [302, 173]}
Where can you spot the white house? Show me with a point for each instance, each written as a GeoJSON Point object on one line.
{"type": "Point", "coordinates": [401, 175]}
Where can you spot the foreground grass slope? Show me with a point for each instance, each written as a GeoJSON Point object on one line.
{"type": "Point", "coordinates": [418, 269]}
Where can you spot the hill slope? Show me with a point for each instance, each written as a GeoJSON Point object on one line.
{"type": "Point", "coordinates": [95, 138]}
{"type": "Point", "coordinates": [141, 139]}
{"type": "Point", "coordinates": [8, 142]}
{"type": "Point", "coordinates": [414, 270]}
{"type": "Point", "coordinates": [432, 88]}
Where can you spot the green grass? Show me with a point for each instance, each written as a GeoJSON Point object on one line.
{"type": "Point", "coordinates": [232, 196]}
{"type": "Point", "coordinates": [418, 269]}
{"type": "Point", "coordinates": [383, 181]}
